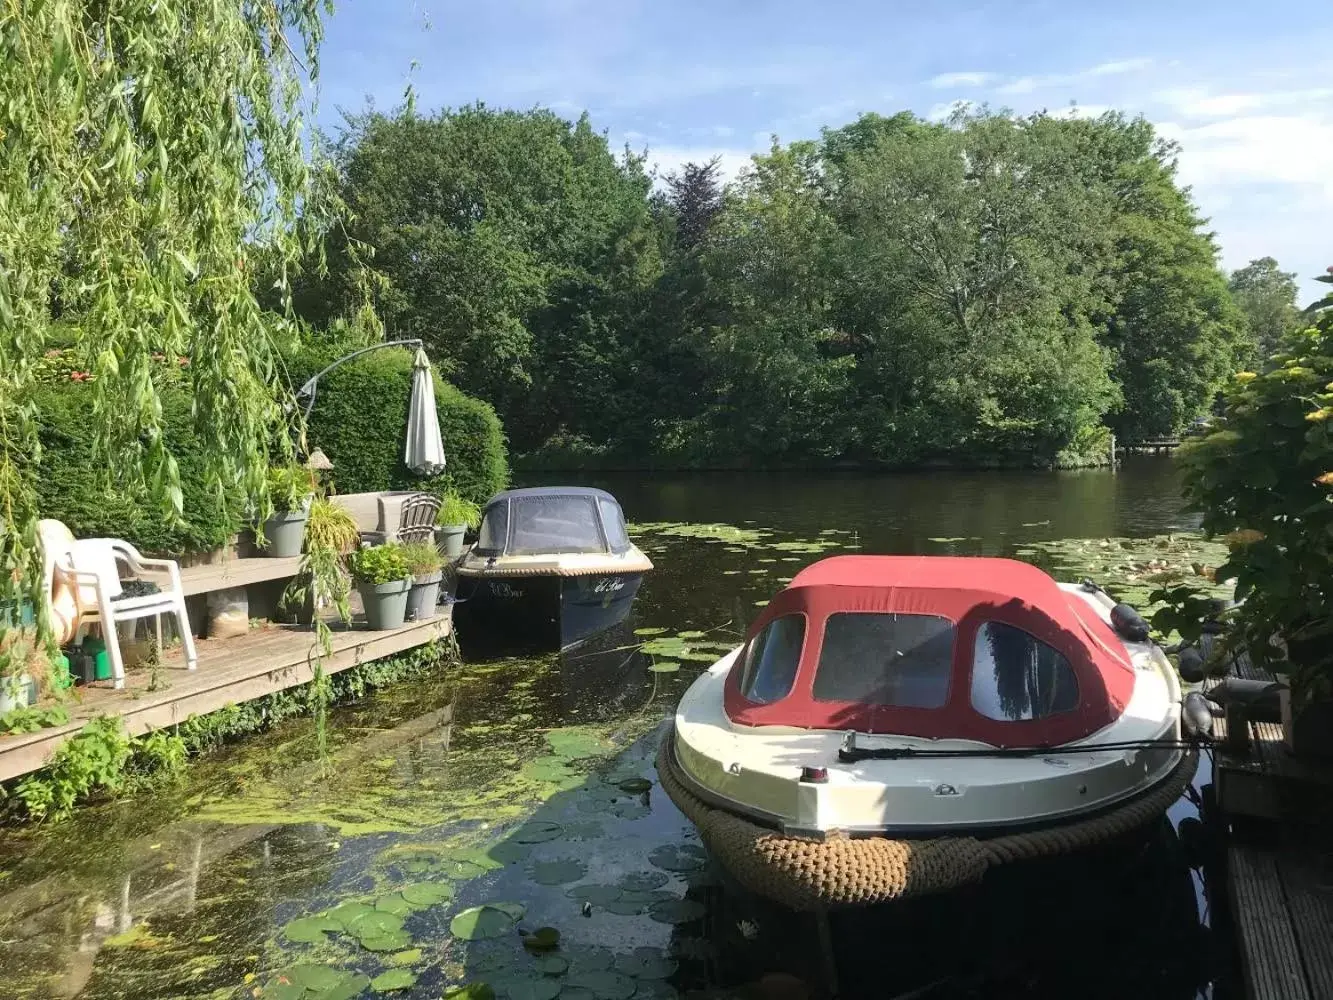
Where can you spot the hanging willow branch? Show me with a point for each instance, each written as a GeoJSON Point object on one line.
{"type": "Point", "coordinates": [151, 156]}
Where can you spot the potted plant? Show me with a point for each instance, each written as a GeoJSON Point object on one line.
{"type": "Point", "coordinates": [23, 665]}
{"type": "Point", "coordinates": [290, 488]}
{"type": "Point", "coordinates": [330, 534]}
{"type": "Point", "coordinates": [425, 564]}
{"type": "Point", "coordinates": [382, 579]}
{"type": "Point", "coordinates": [457, 514]}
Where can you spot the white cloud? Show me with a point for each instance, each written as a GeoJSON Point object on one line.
{"type": "Point", "coordinates": [1257, 149]}
{"type": "Point", "coordinates": [968, 79]}
{"type": "Point", "coordinates": [1199, 102]}
{"type": "Point", "coordinates": [1115, 68]}
{"type": "Point", "coordinates": [1027, 84]}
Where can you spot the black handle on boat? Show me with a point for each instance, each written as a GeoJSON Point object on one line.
{"type": "Point", "coordinates": [850, 754]}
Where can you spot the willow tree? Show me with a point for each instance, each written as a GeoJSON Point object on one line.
{"type": "Point", "coordinates": [151, 154]}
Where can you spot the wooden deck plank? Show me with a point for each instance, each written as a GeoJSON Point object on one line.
{"type": "Point", "coordinates": [1270, 957]}
{"type": "Point", "coordinates": [238, 572]}
{"type": "Point", "coordinates": [230, 671]}
{"type": "Point", "coordinates": [1307, 880]}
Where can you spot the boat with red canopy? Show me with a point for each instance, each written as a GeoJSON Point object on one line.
{"type": "Point", "coordinates": [905, 698]}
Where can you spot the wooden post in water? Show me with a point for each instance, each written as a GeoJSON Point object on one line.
{"type": "Point", "coordinates": [1113, 451]}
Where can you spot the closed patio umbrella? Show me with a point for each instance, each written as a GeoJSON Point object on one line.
{"type": "Point", "coordinates": [424, 453]}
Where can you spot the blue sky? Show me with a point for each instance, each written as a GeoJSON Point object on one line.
{"type": "Point", "coordinates": [1245, 87]}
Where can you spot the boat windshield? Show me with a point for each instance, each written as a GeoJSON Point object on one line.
{"type": "Point", "coordinates": [880, 658]}
{"type": "Point", "coordinates": [543, 525]}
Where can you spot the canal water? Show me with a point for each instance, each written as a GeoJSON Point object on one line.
{"type": "Point", "coordinates": [503, 826]}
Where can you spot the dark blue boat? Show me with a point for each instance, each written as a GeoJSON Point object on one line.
{"type": "Point", "coordinates": [551, 566]}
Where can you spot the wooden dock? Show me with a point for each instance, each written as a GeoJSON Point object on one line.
{"type": "Point", "coordinates": [1277, 814]}
{"type": "Point", "coordinates": [230, 671]}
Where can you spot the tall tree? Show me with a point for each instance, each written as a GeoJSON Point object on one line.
{"type": "Point", "coordinates": [1266, 296]}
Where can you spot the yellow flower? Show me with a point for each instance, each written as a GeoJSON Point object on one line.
{"type": "Point", "coordinates": [1244, 377]}
{"type": "Point", "coordinates": [1319, 416]}
{"type": "Point", "coordinates": [1326, 479]}
{"type": "Point", "coordinates": [1246, 536]}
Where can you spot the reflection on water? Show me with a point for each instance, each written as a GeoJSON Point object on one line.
{"type": "Point", "coordinates": [261, 865]}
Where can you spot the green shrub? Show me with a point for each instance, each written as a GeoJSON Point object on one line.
{"type": "Point", "coordinates": [379, 564]}
{"type": "Point", "coordinates": [360, 421]}
{"type": "Point", "coordinates": [75, 489]}
{"type": "Point", "coordinates": [455, 509]}
{"type": "Point", "coordinates": [423, 558]}
{"type": "Point", "coordinates": [1264, 479]}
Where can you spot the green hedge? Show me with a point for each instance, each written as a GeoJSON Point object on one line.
{"type": "Point", "coordinates": [360, 422]}
{"type": "Point", "coordinates": [70, 488]}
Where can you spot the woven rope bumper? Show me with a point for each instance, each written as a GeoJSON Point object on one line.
{"type": "Point", "coordinates": [812, 874]}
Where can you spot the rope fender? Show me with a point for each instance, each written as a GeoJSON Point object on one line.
{"type": "Point", "coordinates": [807, 874]}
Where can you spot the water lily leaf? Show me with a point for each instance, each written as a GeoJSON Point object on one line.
{"type": "Point", "coordinates": [630, 810]}
{"type": "Point", "coordinates": [678, 857]}
{"type": "Point", "coordinates": [553, 965]}
{"type": "Point", "coordinates": [315, 977]}
{"type": "Point", "coordinates": [482, 857]}
{"type": "Point", "coordinates": [690, 635]}
{"type": "Point", "coordinates": [390, 941]}
{"type": "Point", "coordinates": [461, 870]}
{"type": "Point", "coordinates": [558, 872]}
{"type": "Point", "coordinates": [606, 985]}
{"type": "Point", "coordinates": [644, 881]}
{"type": "Point", "coordinates": [589, 958]}
{"type": "Point", "coordinates": [664, 667]}
{"type": "Point", "coordinates": [472, 991]}
{"type": "Point", "coordinates": [575, 743]}
{"type": "Point", "coordinates": [490, 960]}
{"type": "Point", "coordinates": [635, 786]}
{"type": "Point", "coordinates": [542, 939]}
{"type": "Point", "coordinates": [654, 989]}
{"type": "Point", "coordinates": [409, 957]}
{"type": "Point", "coordinates": [537, 832]}
{"type": "Point", "coordinates": [353, 984]}
{"type": "Point", "coordinates": [646, 963]}
{"type": "Point", "coordinates": [676, 911]}
{"type": "Point", "coordinates": [576, 993]}
{"type": "Point", "coordinates": [394, 904]}
{"type": "Point", "coordinates": [515, 910]}
{"type": "Point", "coordinates": [344, 913]}
{"type": "Point", "coordinates": [597, 895]}
{"type": "Point", "coordinates": [507, 852]}
{"type": "Point", "coordinates": [586, 830]}
{"type": "Point", "coordinates": [308, 930]}
{"type": "Point", "coordinates": [283, 989]}
{"type": "Point", "coordinates": [375, 923]}
{"type": "Point", "coordinates": [479, 922]}
{"type": "Point", "coordinates": [529, 988]}
{"type": "Point", "coordinates": [427, 893]}
{"type": "Point", "coordinates": [550, 769]}
{"type": "Point", "coordinates": [626, 907]}
{"type": "Point", "coordinates": [392, 980]}
{"type": "Point", "coordinates": [649, 631]}
{"type": "Point", "coordinates": [646, 895]}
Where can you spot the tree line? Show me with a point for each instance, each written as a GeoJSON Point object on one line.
{"type": "Point", "coordinates": [990, 289]}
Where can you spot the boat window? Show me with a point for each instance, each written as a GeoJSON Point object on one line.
{"type": "Point", "coordinates": [771, 660]}
{"type": "Point", "coordinates": [494, 528]}
{"type": "Point", "coordinates": [613, 521]}
{"type": "Point", "coordinates": [549, 524]}
{"type": "Point", "coordinates": [878, 658]}
{"type": "Point", "coordinates": [1016, 676]}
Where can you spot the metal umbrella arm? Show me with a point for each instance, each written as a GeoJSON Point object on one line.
{"type": "Point", "coordinates": [310, 387]}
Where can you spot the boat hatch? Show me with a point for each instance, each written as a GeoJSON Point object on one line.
{"type": "Point", "coordinates": [551, 520]}
{"type": "Point", "coordinates": [991, 650]}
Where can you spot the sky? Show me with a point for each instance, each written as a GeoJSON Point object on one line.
{"type": "Point", "coordinates": [1245, 87]}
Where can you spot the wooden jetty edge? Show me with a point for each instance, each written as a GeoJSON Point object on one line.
{"type": "Point", "coordinates": [230, 671]}
{"type": "Point", "coordinates": [1274, 810]}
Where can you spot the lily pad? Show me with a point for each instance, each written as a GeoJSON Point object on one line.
{"type": "Point", "coordinates": [575, 743]}
{"type": "Point", "coordinates": [626, 907]}
{"type": "Point", "coordinates": [584, 830]}
{"type": "Point", "coordinates": [654, 989]}
{"type": "Point", "coordinates": [393, 980]}
{"type": "Point", "coordinates": [479, 922]}
{"type": "Point", "coordinates": [427, 893]}
{"type": "Point", "coordinates": [409, 957]}
{"type": "Point", "coordinates": [650, 631]}
{"type": "Point", "coordinates": [635, 786]}
{"type": "Point", "coordinates": [390, 941]}
{"type": "Point", "coordinates": [308, 930]}
{"type": "Point", "coordinates": [472, 991]}
{"type": "Point", "coordinates": [678, 857]}
{"type": "Point", "coordinates": [553, 965]}
{"type": "Point", "coordinates": [551, 769]}
{"type": "Point", "coordinates": [646, 963]}
{"type": "Point", "coordinates": [345, 913]}
{"type": "Point", "coordinates": [353, 984]}
{"type": "Point", "coordinates": [664, 667]}
{"type": "Point", "coordinates": [315, 977]}
{"type": "Point", "coordinates": [598, 895]}
{"type": "Point", "coordinates": [558, 872]}
{"type": "Point", "coordinates": [676, 911]}
{"type": "Point", "coordinates": [630, 810]}
{"type": "Point", "coordinates": [589, 958]}
{"type": "Point", "coordinates": [461, 870]}
{"type": "Point", "coordinates": [690, 635]}
{"type": "Point", "coordinates": [283, 989]}
{"type": "Point", "coordinates": [515, 910]}
{"type": "Point", "coordinates": [537, 832]}
{"type": "Point", "coordinates": [606, 985]}
{"type": "Point", "coordinates": [507, 852]}
{"type": "Point", "coordinates": [375, 923]}
{"type": "Point", "coordinates": [644, 881]}
{"type": "Point", "coordinates": [395, 904]}
{"type": "Point", "coordinates": [529, 988]}
{"type": "Point", "coordinates": [482, 857]}
{"type": "Point", "coordinates": [542, 939]}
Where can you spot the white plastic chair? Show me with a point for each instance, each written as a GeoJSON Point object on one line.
{"type": "Point", "coordinates": [91, 566]}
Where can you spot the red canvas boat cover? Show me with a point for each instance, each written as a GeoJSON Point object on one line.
{"type": "Point", "coordinates": [915, 615]}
